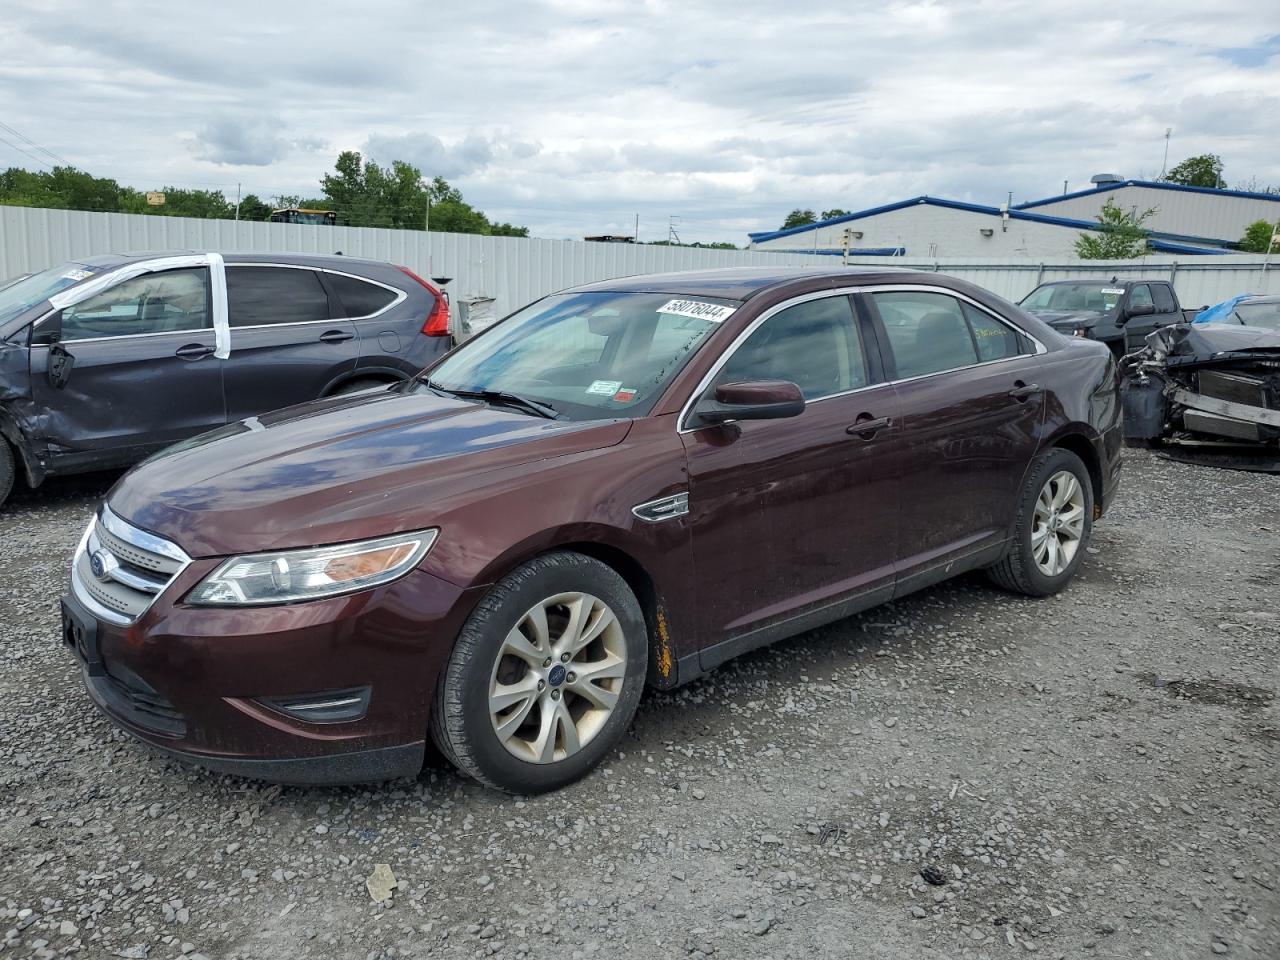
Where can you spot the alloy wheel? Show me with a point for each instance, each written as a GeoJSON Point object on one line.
{"type": "Point", "coordinates": [1058, 523]}
{"type": "Point", "coordinates": [557, 677]}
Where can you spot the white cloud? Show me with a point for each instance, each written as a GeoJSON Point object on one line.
{"type": "Point", "coordinates": [572, 116]}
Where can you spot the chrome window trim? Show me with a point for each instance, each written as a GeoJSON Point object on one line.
{"type": "Point", "coordinates": [131, 336]}
{"type": "Point", "coordinates": [1039, 348]}
{"type": "Point", "coordinates": [401, 295]}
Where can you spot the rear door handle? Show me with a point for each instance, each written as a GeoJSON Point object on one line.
{"type": "Point", "coordinates": [336, 336]}
{"type": "Point", "coordinates": [193, 351]}
{"type": "Point", "coordinates": [865, 427]}
{"type": "Point", "coordinates": [1022, 390]}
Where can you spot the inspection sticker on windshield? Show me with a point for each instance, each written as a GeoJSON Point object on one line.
{"type": "Point", "coordinates": [606, 388]}
{"type": "Point", "coordinates": [1118, 293]}
{"type": "Point", "coordinates": [714, 312]}
{"type": "Point", "coordinates": [77, 275]}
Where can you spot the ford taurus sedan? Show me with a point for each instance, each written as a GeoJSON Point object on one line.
{"type": "Point", "coordinates": [625, 483]}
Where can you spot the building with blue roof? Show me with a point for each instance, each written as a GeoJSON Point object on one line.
{"type": "Point", "coordinates": [1187, 220]}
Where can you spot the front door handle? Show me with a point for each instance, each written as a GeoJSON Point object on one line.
{"type": "Point", "coordinates": [1021, 390]}
{"type": "Point", "coordinates": [193, 351]}
{"type": "Point", "coordinates": [865, 427]}
{"type": "Point", "coordinates": [336, 336]}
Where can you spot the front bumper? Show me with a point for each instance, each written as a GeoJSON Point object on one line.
{"type": "Point", "coordinates": [192, 681]}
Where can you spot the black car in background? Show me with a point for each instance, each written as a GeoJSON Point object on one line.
{"type": "Point", "coordinates": [105, 360]}
{"type": "Point", "coordinates": [1119, 313]}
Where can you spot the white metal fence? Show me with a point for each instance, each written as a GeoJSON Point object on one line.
{"type": "Point", "coordinates": [515, 271]}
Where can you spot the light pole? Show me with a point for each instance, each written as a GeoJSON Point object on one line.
{"type": "Point", "coordinates": [426, 215]}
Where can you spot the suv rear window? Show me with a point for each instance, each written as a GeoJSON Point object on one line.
{"type": "Point", "coordinates": [359, 297]}
{"type": "Point", "coordinates": [267, 295]}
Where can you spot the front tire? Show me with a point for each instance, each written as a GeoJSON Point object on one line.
{"type": "Point", "coordinates": [1054, 524]}
{"type": "Point", "coordinates": [545, 676]}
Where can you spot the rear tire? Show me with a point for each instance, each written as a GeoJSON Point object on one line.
{"type": "Point", "coordinates": [8, 469]}
{"type": "Point", "coordinates": [355, 386]}
{"type": "Point", "coordinates": [545, 676]}
{"type": "Point", "coordinates": [1054, 524]}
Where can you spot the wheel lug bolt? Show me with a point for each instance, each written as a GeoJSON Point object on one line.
{"type": "Point", "coordinates": [564, 658]}
{"type": "Point", "coordinates": [555, 694]}
{"type": "Point", "coordinates": [542, 684]}
{"type": "Point", "coordinates": [546, 662]}
{"type": "Point", "coordinates": [571, 677]}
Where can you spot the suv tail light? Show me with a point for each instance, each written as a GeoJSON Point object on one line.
{"type": "Point", "coordinates": [437, 322]}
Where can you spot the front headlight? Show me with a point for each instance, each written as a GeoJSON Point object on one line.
{"type": "Point", "coordinates": [293, 575]}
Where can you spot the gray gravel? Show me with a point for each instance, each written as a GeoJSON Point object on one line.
{"type": "Point", "coordinates": [1092, 775]}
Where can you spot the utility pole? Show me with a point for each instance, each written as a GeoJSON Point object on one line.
{"type": "Point", "coordinates": [635, 237]}
{"type": "Point", "coordinates": [672, 237]}
{"type": "Point", "coordinates": [237, 201]}
{"type": "Point", "coordinates": [1064, 188]}
{"type": "Point", "coordinates": [1168, 132]}
{"type": "Point", "coordinates": [426, 213]}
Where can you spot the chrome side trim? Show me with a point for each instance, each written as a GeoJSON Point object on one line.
{"type": "Point", "coordinates": [664, 508]}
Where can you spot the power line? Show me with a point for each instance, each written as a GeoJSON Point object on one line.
{"type": "Point", "coordinates": [22, 136]}
{"type": "Point", "coordinates": [29, 156]}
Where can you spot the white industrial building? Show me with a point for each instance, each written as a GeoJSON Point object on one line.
{"type": "Point", "coordinates": [1188, 220]}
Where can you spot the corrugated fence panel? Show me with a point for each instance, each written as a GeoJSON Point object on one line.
{"type": "Point", "coordinates": [515, 271]}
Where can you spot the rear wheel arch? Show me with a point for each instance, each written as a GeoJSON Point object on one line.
{"type": "Point", "coordinates": [361, 376]}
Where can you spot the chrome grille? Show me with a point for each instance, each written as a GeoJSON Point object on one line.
{"type": "Point", "coordinates": [119, 570]}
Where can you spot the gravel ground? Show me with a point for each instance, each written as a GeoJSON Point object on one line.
{"type": "Point", "coordinates": [1092, 775]}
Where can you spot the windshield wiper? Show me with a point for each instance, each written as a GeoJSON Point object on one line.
{"type": "Point", "coordinates": [502, 397]}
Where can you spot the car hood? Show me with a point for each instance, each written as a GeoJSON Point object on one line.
{"type": "Point", "coordinates": [1191, 343]}
{"type": "Point", "coordinates": [1068, 319]}
{"type": "Point", "coordinates": [341, 469]}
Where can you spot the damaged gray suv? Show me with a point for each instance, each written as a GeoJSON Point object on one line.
{"type": "Point", "coordinates": [105, 360]}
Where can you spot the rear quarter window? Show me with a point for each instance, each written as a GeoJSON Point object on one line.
{"type": "Point", "coordinates": [360, 298]}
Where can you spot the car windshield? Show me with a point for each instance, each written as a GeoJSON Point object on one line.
{"type": "Point", "coordinates": [1265, 315]}
{"type": "Point", "coordinates": [19, 297]}
{"type": "Point", "coordinates": [585, 355]}
{"type": "Point", "coordinates": [1098, 297]}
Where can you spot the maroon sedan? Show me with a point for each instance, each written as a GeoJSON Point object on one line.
{"type": "Point", "coordinates": [626, 483]}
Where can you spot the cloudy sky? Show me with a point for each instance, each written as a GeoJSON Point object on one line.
{"type": "Point", "coordinates": [573, 116]}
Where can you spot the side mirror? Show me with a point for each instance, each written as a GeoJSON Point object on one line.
{"type": "Point", "coordinates": [751, 400]}
{"type": "Point", "coordinates": [48, 332]}
{"type": "Point", "coordinates": [1141, 310]}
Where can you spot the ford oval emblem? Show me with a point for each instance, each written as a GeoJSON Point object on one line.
{"type": "Point", "coordinates": [101, 562]}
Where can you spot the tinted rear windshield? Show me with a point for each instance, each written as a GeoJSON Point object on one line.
{"type": "Point", "coordinates": [17, 298]}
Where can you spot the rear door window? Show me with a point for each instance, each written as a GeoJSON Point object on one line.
{"type": "Point", "coordinates": [1140, 296]}
{"type": "Point", "coordinates": [260, 296]}
{"type": "Point", "coordinates": [1164, 299]}
{"type": "Point", "coordinates": [932, 332]}
{"type": "Point", "coordinates": [359, 298]}
{"type": "Point", "coordinates": [927, 332]}
{"type": "Point", "coordinates": [171, 301]}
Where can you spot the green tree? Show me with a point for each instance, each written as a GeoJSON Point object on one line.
{"type": "Point", "coordinates": [798, 218]}
{"type": "Point", "coordinates": [365, 194]}
{"type": "Point", "coordinates": [833, 213]}
{"type": "Point", "coordinates": [254, 208]}
{"type": "Point", "coordinates": [1257, 237]}
{"type": "Point", "coordinates": [1120, 235]}
{"type": "Point", "coordinates": [1204, 170]}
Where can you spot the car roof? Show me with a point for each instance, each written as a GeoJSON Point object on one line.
{"type": "Point", "coordinates": [275, 256]}
{"type": "Point", "coordinates": [743, 283]}
{"type": "Point", "coordinates": [1262, 298]}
